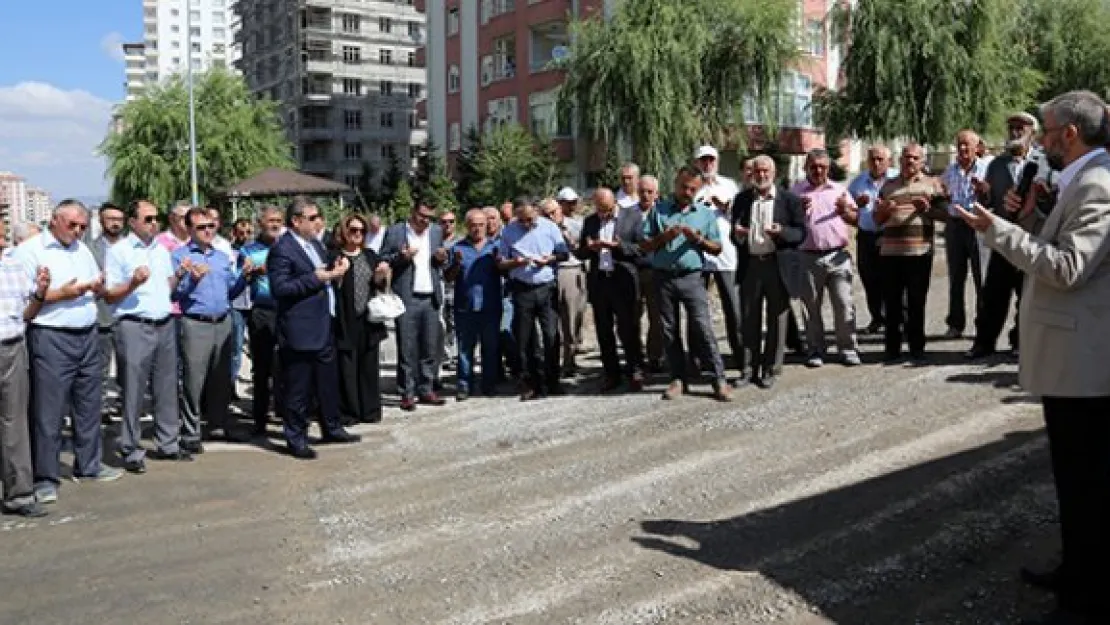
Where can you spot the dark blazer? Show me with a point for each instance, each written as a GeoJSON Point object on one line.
{"type": "Point", "coordinates": [628, 231]}
{"type": "Point", "coordinates": [998, 176]}
{"type": "Point", "coordinates": [396, 238]}
{"type": "Point", "coordinates": [303, 318]}
{"type": "Point", "coordinates": [788, 212]}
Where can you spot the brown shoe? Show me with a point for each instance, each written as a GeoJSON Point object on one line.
{"type": "Point", "coordinates": [674, 390]}
{"type": "Point", "coordinates": [722, 392]}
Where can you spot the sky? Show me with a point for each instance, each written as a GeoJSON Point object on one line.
{"type": "Point", "coordinates": [61, 74]}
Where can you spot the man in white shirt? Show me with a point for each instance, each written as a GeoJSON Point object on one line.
{"type": "Point", "coordinates": [630, 180]}
{"type": "Point", "coordinates": [571, 279]}
{"type": "Point", "coordinates": [719, 192]}
{"type": "Point", "coordinates": [963, 180]}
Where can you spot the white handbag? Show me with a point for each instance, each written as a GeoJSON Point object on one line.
{"type": "Point", "coordinates": [385, 306]}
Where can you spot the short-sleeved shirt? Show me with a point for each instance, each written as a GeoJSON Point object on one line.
{"type": "Point", "coordinates": [865, 184]}
{"type": "Point", "coordinates": [958, 181]}
{"type": "Point", "coordinates": [908, 232]}
{"type": "Point", "coordinates": [478, 285]}
{"type": "Point", "coordinates": [152, 299]}
{"type": "Point", "coordinates": [825, 228]}
{"type": "Point", "coordinates": [543, 239]}
{"type": "Point", "coordinates": [680, 254]}
{"type": "Point", "coordinates": [171, 243]}
{"type": "Point", "coordinates": [211, 295]}
{"type": "Point", "coordinates": [259, 284]}
{"type": "Point", "coordinates": [66, 262]}
{"type": "Point", "coordinates": [15, 292]}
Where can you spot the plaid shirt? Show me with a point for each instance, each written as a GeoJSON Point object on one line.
{"type": "Point", "coordinates": [15, 291]}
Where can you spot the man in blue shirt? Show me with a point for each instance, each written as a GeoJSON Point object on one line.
{"type": "Point", "coordinates": [207, 282]}
{"type": "Point", "coordinates": [964, 181]}
{"type": "Point", "coordinates": [865, 191]}
{"type": "Point", "coordinates": [678, 233]}
{"type": "Point", "coordinates": [140, 279]}
{"type": "Point", "coordinates": [531, 247]}
{"type": "Point", "coordinates": [262, 323]}
{"type": "Point", "coordinates": [477, 286]}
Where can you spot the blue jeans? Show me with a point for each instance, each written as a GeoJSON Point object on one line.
{"type": "Point", "coordinates": [238, 331]}
{"type": "Point", "coordinates": [472, 328]}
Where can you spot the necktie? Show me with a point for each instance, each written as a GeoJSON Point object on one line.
{"type": "Point", "coordinates": [316, 255]}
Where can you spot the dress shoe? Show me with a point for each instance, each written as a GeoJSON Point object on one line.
{"type": "Point", "coordinates": [339, 438]}
{"type": "Point", "coordinates": [1045, 580]}
{"type": "Point", "coordinates": [978, 351]}
{"type": "Point", "coordinates": [137, 467]}
{"type": "Point", "coordinates": [302, 453]}
{"type": "Point", "coordinates": [33, 510]}
{"type": "Point", "coordinates": [373, 417]}
{"type": "Point", "coordinates": [176, 456]}
{"type": "Point", "coordinates": [193, 447]}
{"type": "Point", "coordinates": [462, 395]}
{"type": "Point", "coordinates": [636, 384]}
{"type": "Point", "coordinates": [766, 382]}
{"type": "Point", "coordinates": [431, 399]}
{"type": "Point", "coordinates": [610, 384]}
{"type": "Point", "coordinates": [408, 404]}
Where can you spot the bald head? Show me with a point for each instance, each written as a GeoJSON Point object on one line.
{"type": "Point", "coordinates": [605, 202]}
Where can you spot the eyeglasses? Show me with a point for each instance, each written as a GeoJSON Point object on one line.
{"type": "Point", "coordinates": [204, 227]}
{"type": "Point", "coordinates": [1046, 130]}
{"type": "Point", "coordinates": [149, 219]}
{"type": "Point", "coordinates": [76, 225]}
{"type": "Point", "coordinates": [356, 230]}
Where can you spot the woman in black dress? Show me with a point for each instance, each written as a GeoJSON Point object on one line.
{"type": "Point", "coordinates": [357, 340]}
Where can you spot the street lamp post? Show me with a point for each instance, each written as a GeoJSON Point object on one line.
{"type": "Point", "coordinates": [192, 107]}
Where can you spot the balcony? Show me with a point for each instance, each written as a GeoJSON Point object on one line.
{"type": "Point", "coordinates": [547, 41]}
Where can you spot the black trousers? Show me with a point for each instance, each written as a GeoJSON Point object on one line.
{"type": "Point", "coordinates": [614, 298]}
{"type": "Point", "coordinates": [532, 305]}
{"type": "Point", "coordinates": [962, 254]}
{"type": "Point", "coordinates": [905, 283]}
{"type": "Point", "coordinates": [868, 259]}
{"type": "Point", "coordinates": [1079, 440]}
{"type": "Point", "coordinates": [308, 376]}
{"type": "Point", "coordinates": [360, 394]}
{"type": "Point", "coordinates": [262, 334]}
{"type": "Point", "coordinates": [1003, 280]}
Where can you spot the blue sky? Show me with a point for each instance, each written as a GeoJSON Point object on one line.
{"type": "Point", "coordinates": [62, 72]}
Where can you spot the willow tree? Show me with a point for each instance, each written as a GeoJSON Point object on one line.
{"type": "Point", "coordinates": [509, 161]}
{"type": "Point", "coordinates": [237, 136]}
{"type": "Point", "coordinates": [1067, 41]}
{"type": "Point", "coordinates": [923, 69]}
{"type": "Point", "coordinates": [669, 74]}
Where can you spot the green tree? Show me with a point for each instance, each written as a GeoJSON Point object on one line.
{"type": "Point", "coordinates": [610, 174]}
{"type": "Point", "coordinates": [237, 136]}
{"type": "Point", "coordinates": [674, 73]}
{"type": "Point", "coordinates": [1067, 42]}
{"type": "Point", "coordinates": [400, 204]}
{"type": "Point", "coordinates": [465, 163]}
{"type": "Point", "coordinates": [510, 162]}
{"type": "Point", "coordinates": [367, 188]}
{"type": "Point", "coordinates": [923, 69]}
{"type": "Point", "coordinates": [392, 178]}
{"type": "Point", "coordinates": [438, 189]}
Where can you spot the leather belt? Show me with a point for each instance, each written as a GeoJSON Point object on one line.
{"type": "Point", "coordinates": [206, 318]}
{"type": "Point", "coordinates": [831, 250]}
{"type": "Point", "coordinates": [146, 321]}
{"type": "Point", "coordinates": [84, 330]}
{"type": "Point", "coordinates": [14, 340]}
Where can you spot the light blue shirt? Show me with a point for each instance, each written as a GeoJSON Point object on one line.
{"type": "Point", "coordinates": [864, 183]}
{"type": "Point", "coordinates": [72, 262]}
{"type": "Point", "coordinates": [211, 295]}
{"type": "Point", "coordinates": [958, 182]}
{"type": "Point", "coordinates": [543, 239]}
{"type": "Point", "coordinates": [318, 262]}
{"type": "Point", "coordinates": [152, 299]}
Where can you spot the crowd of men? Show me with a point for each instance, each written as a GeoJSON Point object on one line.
{"type": "Point", "coordinates": [173, 306]}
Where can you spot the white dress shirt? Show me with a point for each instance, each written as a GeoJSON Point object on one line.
{"type": "Point", "coordinates": [422, 262]}
{"type": "Point", "coordinates": [722, 187]}
{"type": "Point", "coordinates": [726, 260]}
{"type": "Point", "coordinates": [607, 233]}
{"type": "Point", "coordinates": [374, 241]}
{"type": "Point", "coordinates": [1070, 171]}
{"type": "Point", "coordinates": [625, 200]}
{"type": "Point", "coordinates": [72, 262]}
{"type": "Point", "coordinates": [763, 215]}
{"type": "Point", "coordinates": [318, 263]}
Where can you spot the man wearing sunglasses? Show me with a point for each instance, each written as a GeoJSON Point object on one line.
{"type": "Point", "coordinates": [448, 348]}
{"type": "Point", "coordinates": [207, 282]}
{"type": "Point", "coordinates": [111, 232]}
{"type": "Point", "coordinates": [65, 352]}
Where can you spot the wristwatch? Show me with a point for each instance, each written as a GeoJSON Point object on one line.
{"type": "Point", "coordinates": [37, 297]}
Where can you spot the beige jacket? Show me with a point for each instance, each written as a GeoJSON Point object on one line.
{"type": "Point", "coordinates": [1065, 305]}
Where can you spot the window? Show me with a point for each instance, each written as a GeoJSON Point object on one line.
{"type": "Point", "coordinates": [412, 119]}
{"type": "Point", "coordinates": [194, 16]}
{"type": "Point", "coordinates": [352, 180]}
{"type": "Point", "coordinates": [790, 105]}
{"type": "Point", "coordinates": [414, 30]}
{"type": "Point", "coordinates": [545, 117]}
{"type": "Point", "coordinates": [216, 3]}
{"type": "Point", "coordinates": [352, 120]}
{"type": "Point", "coordinates": [388, 152]}
{"type": "Point", "coordinates": [504, 58]}
{"type": "Point", "coordinates": [196, 63]}
{"type": "Point", "coordinates": [453, 22]}
{"type": "Point", "coordinates": [545, 40]}
{"type": "Point", "coordinates": [493, 8]}
{"type": "Point", "coordinates": [815, 38]}
{"type": "Point", "coordinates": [386, 87]}
{"type": "Point", "coordinates": [385, 56]}
{"type": "Point", "coordinates": [176, 60]}
{"type": "Point", "coordinates": [351, 23]}
{"type": "Point", "coordinates": [454, 141]}
{"type": "Point", "coordinates": [412, 59]}
{"type": "Point", "coordinates": [415, 90]}
{"type": "Point", "coordinates": [352, 86]}
{"type": "Point", "coordinates": [487, 70]}
{"type": "Point", "coordinates": [176, 45]}
{"type": "Point", "coordinates": [453, 79]}
{"type": "Point", "coordinates": [414, 152]}
{"type": "Point", "coordinates": [352, 55]}
{"type": "Point", "coordinates": [218, 18]}
{"type": "Point", "coordinates": [175, 29]}
{"type": "Point", "coordinates": [218, 48]}
{"type": "Point", "coordinates": [352, 151]}
{"type": "Point", "coordinates": [195, 46]}
{"type": "Point", "coordinates": [219, 34]}
{"type": "Point", "coordinates": [385, 24]}
{"type": "Point", "coordinates": [386, 119]}
{"type": "Point", "coordinates": [174, 12]}
{"type": "Point", "coordinates": [194, 31]}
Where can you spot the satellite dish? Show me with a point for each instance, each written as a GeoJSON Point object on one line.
{"type": "Point", "coordinates": [558, 53]}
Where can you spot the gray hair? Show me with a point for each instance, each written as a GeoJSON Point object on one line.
{"type": "Point", "coordinates": [297, 208]}
{"type": "Point", "coordinates": [648, 178]}
{"type": "Point", "coordinates": [1082, 109]}
{"type": "Point", "coordinates": [24, 230]}
{"type": "Point", "coordinates": [632, 167]}
{"type": "Point", "coordinates": [878, 147]}
{"type": "Point", "coordinates": [817, 154]}
{"type": "Point", "coordinates": [68, 204]}
{"type": "Point", "coordinates": [763, 159]}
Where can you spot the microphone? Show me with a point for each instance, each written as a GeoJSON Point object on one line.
{"type": "Point", "coordinates": [1027, 176]}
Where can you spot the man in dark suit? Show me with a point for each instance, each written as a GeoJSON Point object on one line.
{"type": "Point", "coordinates": [301, 284]}
{"type": "Point", "coordinates": [610, 241]}
{"type": "Point", "coordinates": [414, 249]}
{"type": "Point", "coordinates": [766, 220]}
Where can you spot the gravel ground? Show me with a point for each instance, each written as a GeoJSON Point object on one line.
{"type": "Point", "coordinates": [876, 494]}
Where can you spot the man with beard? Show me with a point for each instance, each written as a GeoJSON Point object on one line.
{"type": "Point", "coordinates": [262, 322]}
{"type": "Point", "coordinates": [1004, 174]}
{"type": "Point", "coordinates": [111, 231]}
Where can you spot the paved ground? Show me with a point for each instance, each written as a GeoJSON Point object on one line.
{"type": "Point", "coordinates": [878, 495]}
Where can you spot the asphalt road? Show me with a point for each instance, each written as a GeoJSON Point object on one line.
{"type": "Point", "coordinates": [877, 494]}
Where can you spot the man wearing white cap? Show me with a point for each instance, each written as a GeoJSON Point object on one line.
{"type": "Point", "coordinates": [718, 191]}
{"type": "Point", "coordinates": [572, 281]}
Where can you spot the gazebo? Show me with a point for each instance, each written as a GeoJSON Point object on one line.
{"type": "Point", "coordinates": [277, 182]}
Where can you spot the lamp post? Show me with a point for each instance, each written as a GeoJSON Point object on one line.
{"type": "Point", "coordinates": [192, 107]}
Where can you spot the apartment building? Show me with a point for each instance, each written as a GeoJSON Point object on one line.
{"type": "Point", "coordinates": [347, 75]}
{"type": "Point", "coordinates": [489, 63]}
{"type": "Point", "coordinates": [13, 195]}
{"type": "Point", "coordinates": [175, 34]}
{"type": "Point", "coordinates": [39, 206]}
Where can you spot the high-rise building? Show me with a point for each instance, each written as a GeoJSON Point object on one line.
{"type": "Point", "coordinates": [175, 31]}
{"type": "Point", "coordinates": [347, 75]}
{"type": "Point", "coordinates": [490, 62]}
{"type": "Point", "coordinates": [13, 194]}
{"type": "Point", "coordinates": [38, 205]}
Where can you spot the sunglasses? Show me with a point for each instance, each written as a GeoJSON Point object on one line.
{"type": "Point", "coordinates": [150, 219]}
{"type": "Point", "coordinates": [204, 227]}
{"type": "Point", "coordinates": [356, 230]}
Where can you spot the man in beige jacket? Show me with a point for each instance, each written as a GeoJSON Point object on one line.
{"type": "Point", "coordinates": [1065, 307]}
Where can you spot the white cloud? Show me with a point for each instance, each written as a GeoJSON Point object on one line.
{"type": "Point", "coordinates": [112, 45]}
{"type": "Point", "coordinates": [50, 135]}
